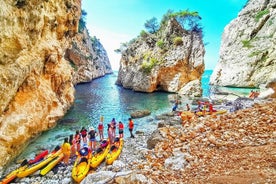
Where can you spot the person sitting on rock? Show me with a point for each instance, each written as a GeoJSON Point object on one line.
{"type": "Point", "coordinates": [175, 106]}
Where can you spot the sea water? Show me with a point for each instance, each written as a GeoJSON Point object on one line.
{"type": "Point", "coordinates": [102, 97]}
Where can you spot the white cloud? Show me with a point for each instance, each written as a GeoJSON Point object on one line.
{"type": "Point", "coordinates": [110, 41]}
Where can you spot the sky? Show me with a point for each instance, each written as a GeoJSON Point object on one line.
{"type": "Point", "coordinates": [118, 21]}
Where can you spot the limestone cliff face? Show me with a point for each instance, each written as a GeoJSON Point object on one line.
{"type": "Point", "coordinates": [36, 83]}
{"type": "Point", "coordinates": [170, 61]}
{"type": "Point", "coordinates": [88, 57]}
{"type": "Point", "coordinates": [248, 47]}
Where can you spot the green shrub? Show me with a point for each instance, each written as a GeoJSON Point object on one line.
{"type": "Point", "coordinates": [160, 44]}
{"type": "Point", "coordinates": [148, 65]}
{"type": "Point", "coordinates": [255, 53]}
{"type": "Point", "coordinates": [143, 34]}
{"type": "Point", "coordinates": [260, 14]}
{"type": "Point", "coordinates": [247, 44]}
{"type": "Point", "coordinates": [178, 41]}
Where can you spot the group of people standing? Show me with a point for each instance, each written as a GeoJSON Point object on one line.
{"type": "Point", "coordinates": [111, 129]}
{"type": "Point", "coordinates": [87, 138]}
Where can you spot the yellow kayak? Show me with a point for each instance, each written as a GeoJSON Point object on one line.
{"type": "Point", "coordinates": [115, 151]}
{"type": "Point", "coordinates": [51, 165]}
{"type": "Point", "coordinates": [97, 158]}
{"type": "Point", "coordinates": [30, 169]}
{"type": "Point", "coordinates": [81, 165]}
{"type": "Point", "coordinates": [213, 113]}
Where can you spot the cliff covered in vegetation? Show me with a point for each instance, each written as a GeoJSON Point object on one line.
{"type": "Point", "coordinates": [169, 58]}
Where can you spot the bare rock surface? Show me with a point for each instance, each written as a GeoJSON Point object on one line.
{"type": "Point", "coordinates": [248, 48]}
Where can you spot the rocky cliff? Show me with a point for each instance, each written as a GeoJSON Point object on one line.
{"type": "Point", "coordinates": [248, 48]}
{"type": "Point", "coordinates": [88, 58]}
{"type": "Point", "coordinates": [171, 60]}
{"type": "Point", "coordinates": [36, 83]}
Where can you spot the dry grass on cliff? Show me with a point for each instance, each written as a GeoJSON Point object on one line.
{"type": "Point", "coordinates": [232, 148]}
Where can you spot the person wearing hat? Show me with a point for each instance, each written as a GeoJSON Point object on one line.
{"type": "Point", "coordinates": [92, 138]}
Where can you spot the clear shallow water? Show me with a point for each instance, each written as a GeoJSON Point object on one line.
{"type": "Point", "coordinates": [205, 82]}
{"type": "Point", "coordinates": [102, 97]}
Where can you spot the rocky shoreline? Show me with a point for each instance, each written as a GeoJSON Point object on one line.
{"type": "Point", "coordinates": [236, 147]}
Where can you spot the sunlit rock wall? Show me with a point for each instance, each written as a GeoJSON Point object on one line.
{"type": "Point", "coordinates": [248, 48]}
{"type": "Point", "coordinates": [36, 84]}
{"type": "Point", "coordinates": [88, 58]}
{"type": "Point", "coordinates": [146, 66]}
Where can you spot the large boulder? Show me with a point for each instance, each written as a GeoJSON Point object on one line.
{"type": "Point", "coordinates": [140, 113]}
{"type": "Point", "coordinates": [155, 138]}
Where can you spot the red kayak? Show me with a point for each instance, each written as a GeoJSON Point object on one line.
{"type": "Point", "coordinates": [38, 157]}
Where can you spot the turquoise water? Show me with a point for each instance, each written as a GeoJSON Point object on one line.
{"type": "Point", "coordinates": [102, 97]}
{"type": "Point", "coordinates": [205, 82]}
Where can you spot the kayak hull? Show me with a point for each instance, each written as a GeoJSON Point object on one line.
{"type": "Point", "coordinates": [10, 177]}
{"type": "Point", "coordinates": [33, 168]}
{"type": "Point", "coordinates": [97, 159]}
{"type": "Point", "coordinates": [213, 113]}
{"type": "Point", "coordinates": [51, 165]}
{"type": "Point", "coordinates": [81, 168]}
{"type": "Point", "coordinates": [113, 155]}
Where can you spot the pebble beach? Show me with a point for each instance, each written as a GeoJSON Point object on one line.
{"type": "Point", "coordinates": [236, 147]}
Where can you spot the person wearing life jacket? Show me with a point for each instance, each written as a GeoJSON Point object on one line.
{"type": "Point", "coordinates": [101, 129]}
{"type": "Point", "coordinates": [121, 129]}
{"type": "Point", "coordinates": [211, 108]}
{"type": "Point", "coordinates": [130, 127]}
{"type": "Point", "coordinates": [83, 133]}
{"type": "Point", "coordinates": [66, 150]}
